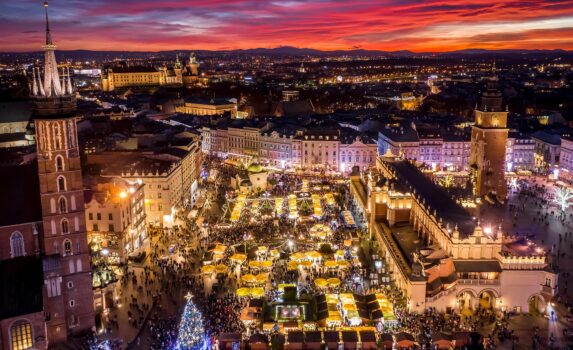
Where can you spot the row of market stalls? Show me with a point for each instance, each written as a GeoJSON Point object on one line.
{"type": "Point", "coordinates": [349, 339]}
{"type": "Point", "coordinates": [241, 203]}
{"type": "Point", "coordinates": [355, 309]}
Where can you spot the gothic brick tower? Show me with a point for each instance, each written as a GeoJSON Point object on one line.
{"type": "Point", "coordinates": [68, 296]}
{"type": "Point", "coordinates": [488, 143]}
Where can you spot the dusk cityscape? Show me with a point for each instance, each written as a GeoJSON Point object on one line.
{"type": "Point", "coordinates": [286, 175]}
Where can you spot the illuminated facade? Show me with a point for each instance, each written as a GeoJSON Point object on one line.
{"type": "Point", "coordinates": [356, 151]}
{"type": "Point", "coordinates": [115, 219]}
{"type": "Point", "coordinates": [170, 177]}
{"type": "Point", "coordinates": [547, 151]}
{"type": "Point", "coordinates": [438, 255]}
{"type": "Point", "coordinates": [214, 106]}
{"type": "Point", "coordinates": [291, 147]}
{"type": "Point", "coordinates": [429, 146]}
{"type": "Point", "coordinates": [520, 152]}
{"type": "Point", "coordinates": [488, 146]}
{"type": "Point", "coordinates": [142, 76]}
{"type": "Point", "coordinates": [320, 149]}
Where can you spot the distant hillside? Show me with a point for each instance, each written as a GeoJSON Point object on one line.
{"type": "Point", "coordinates": [291, 51]}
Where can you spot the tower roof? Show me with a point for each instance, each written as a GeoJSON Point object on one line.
{"type": "Point", "coordinates": [52, 95]}
{"type": "Point", "coordinates": [48, 35]}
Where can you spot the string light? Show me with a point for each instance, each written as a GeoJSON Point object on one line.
{"type": "Point", "coordinates": [191, 329]}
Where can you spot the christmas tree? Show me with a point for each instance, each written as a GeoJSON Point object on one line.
{"type": "Point", "coordinates": [191, 330]}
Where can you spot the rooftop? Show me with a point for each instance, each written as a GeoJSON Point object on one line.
{"type": "Point", "coordinates": [434, 197]}
{"type": "Point", "coordinates": [218, 101]}
{"type": "Point", "coordinates": [135, 69]}
{"type": "Point", "coordinates": [546, 137]}
{"type": "Point", "coordinates": [402, 134]}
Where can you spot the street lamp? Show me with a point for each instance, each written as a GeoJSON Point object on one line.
{"type": "Point", "coordinates": [487, 230]}
{"type": "Point", "coordinates": [246, 237]}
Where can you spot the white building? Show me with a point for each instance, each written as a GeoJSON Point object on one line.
{"type": "Point", "coordinates": [520, 152]}
{"type": "Point", "coordinates": [456, 151]}
{"type": "Point", "coordinates": [320, 149]}
{"type": "Point", "coordinates": [356, 151]}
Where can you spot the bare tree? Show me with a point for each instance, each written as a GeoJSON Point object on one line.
{"type": "Point", "coordinates": [563, 196]}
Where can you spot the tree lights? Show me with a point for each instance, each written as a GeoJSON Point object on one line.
{"type": "Point", "coordinates": [563, 196]}
{"type": "Point", "coordinates": [191, 329]}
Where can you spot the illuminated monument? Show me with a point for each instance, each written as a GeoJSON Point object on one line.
{"type": "Point", "coordinates": [488, 142]}
{"type": "Point", "coordinates": [68, 295]}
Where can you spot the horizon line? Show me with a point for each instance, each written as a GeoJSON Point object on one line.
{"type": "Point", "coordinates": [292, 47]}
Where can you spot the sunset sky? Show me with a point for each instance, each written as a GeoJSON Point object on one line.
{"type": "Point", "coordinates": [417, 25]}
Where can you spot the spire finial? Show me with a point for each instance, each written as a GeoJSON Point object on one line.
{"type": "Point", "coordinates": [48, 36]}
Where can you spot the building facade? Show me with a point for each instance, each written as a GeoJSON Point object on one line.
{"type": "Point", "coordinates": [320, 150]}
{"type": "Point", "coordinates": [520, 152]}
{"type": "Point", "coordinates": [275, 148]}
{"type": "Point", "coordinates": [429, 146]}
{"type": "Point", "coordinates": [547, 151]}
{"type": "Point", "coordinates": [214, 106]}
{"type": "Point", "coordinates": [115, 219]}
{"type": "Point", "coordinates": [356, 151]}
{"type": "Point", "coordinates": [288, 147]}
{"type": "Point", "coordinates": [144, 76]}
{"type": "Point", "coordinates": [170, 177]}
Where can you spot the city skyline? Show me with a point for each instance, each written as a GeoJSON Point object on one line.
{"type": "Point", "coordinates": [324, 25]}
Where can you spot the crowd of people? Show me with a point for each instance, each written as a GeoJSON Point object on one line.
{"type": "Point", "coordinates": [153, 291]}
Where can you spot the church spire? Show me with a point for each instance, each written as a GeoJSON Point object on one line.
{"type": "Point", "coordinates": [52, 83]}
{"type": "Point", "coordinates": [48, 35]}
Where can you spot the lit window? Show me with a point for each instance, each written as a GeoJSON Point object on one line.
{"type": "Point", "coordinates": [21, 335]}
